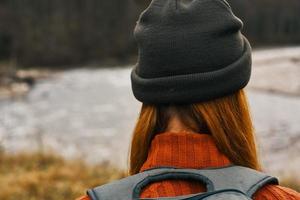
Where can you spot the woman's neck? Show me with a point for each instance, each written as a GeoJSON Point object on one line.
{"type": "Point", "coordinates": [176, 126]}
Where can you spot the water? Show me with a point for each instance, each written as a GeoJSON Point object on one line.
{"type": "Point", "coordinates": [90, 113]}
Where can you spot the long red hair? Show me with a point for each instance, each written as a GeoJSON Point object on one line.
{"type": "Point", "coordinates": [226, 119]}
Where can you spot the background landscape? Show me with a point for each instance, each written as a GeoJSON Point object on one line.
{"type": "Point", "coordinates": [66, 106]}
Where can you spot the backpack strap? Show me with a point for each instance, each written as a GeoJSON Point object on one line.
{"type": "Point", "coordinates": [240, 178]}
{"type": "Point", "coordinates": [245, 180]}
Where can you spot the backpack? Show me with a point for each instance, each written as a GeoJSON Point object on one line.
{"type": "Point", "coordinates": [227, 183]}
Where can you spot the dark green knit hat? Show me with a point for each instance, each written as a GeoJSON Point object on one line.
{"type": "Point", "coordinates": [189, 51]}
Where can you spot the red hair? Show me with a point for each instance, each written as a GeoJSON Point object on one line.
{"type": "Point", "coordinates": [226, 119]}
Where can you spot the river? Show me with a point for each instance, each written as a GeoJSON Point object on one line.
{"type": "Point", "coordinates": [90, 113]}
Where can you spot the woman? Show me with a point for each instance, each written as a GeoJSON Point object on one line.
{"type": "Point", "coordinates": [193, 65]}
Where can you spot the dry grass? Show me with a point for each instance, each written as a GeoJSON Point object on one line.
{"type": "Point", "coordinates": [291, 183]}
{"type": "Point", "coordinates": [49, 177]}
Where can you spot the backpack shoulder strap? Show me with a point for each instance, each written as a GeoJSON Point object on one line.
{"type": "Point", "coordinates": [118, 190]}
{"type": "Point", "coordinates": [239, 178]}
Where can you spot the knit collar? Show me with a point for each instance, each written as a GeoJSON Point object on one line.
{"type": "Point", "coordinates": [184, 150]}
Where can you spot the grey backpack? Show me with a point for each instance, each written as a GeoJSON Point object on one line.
{"type": "Point", "coordinates": [228, 183]}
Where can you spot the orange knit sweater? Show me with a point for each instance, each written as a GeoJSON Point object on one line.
{"type": "Point", "coordinates": [189, 150]}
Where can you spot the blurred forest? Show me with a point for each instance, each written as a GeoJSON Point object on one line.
{"type": "Point", "coordinates": [68, 32]}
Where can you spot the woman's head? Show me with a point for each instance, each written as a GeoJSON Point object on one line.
{"type": "Point", "coordinates": [226, 119]}
{"type": "Point", "coordinates": [193, 64]}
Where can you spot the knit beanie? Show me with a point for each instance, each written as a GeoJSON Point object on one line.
{"type": "Point", "coordinates": [189, 51]}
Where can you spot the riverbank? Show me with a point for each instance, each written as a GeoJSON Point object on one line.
{"type": "Point", "coordinates": [282, 77]}
{"type": "Point", "coordinates": [16, 83]}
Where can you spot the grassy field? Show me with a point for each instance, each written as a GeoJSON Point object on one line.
{"type": "Point", "coordinates": [50, 177]}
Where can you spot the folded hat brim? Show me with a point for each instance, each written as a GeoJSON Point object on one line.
{"type": "Point", "coordinates": [196, 87]}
